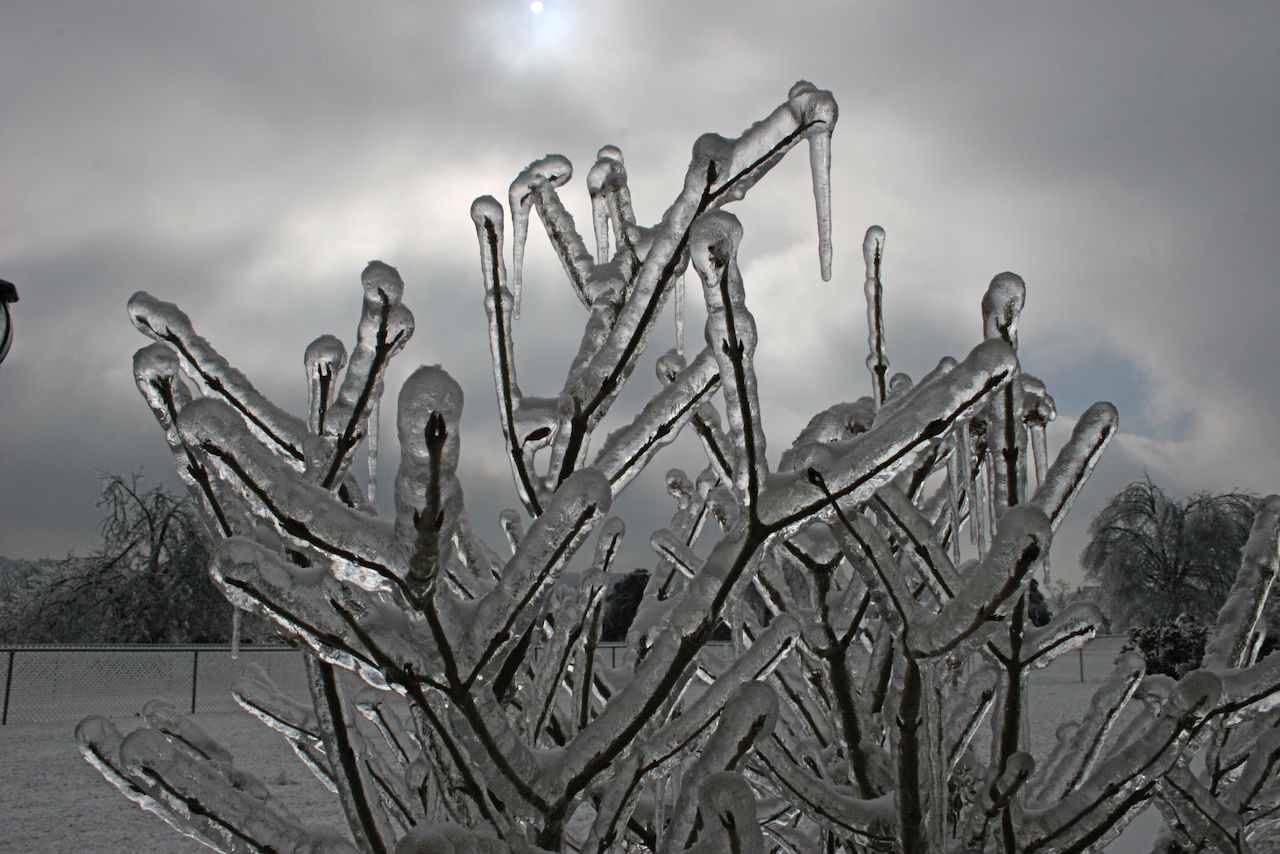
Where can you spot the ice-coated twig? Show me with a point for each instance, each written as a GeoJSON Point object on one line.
{"type": "Point", "coordinates": [1199, 815]}
{"type": "Point", "coordinates": [1071, 628]}
{"type": "Point", "coordinates": [1073, 762]}
{"type": "Point", "coordinates": [877, 361]}
{"type": "Point", "coordinates": [164, 322]}
{"type": "Point", "coordinates": [344, 746]}
{"type": "Point", "coordinates": [611, 200]}
{"type": "Point", "coordinates": [385, 327]}
{"type": "Point", "coordinates": [1247, 791]}
{"type": "Point", "coordinates": [195, 796]}
{"type": "Point", "coordinates": [748, 715]}
{"type": "Point", "coordinates": [1075, 461]}
{"type": "Point", "coordinates": [626, 452]}
{"type": "Point", "coordinates": [727, 813]}
{"type": "Point", "coordinates": [965, 711]}
{"type": "Point", "coordinates": [157, 374]}
{"type": "Point", "coordinates": [428, 495]}
{"type": "Point", "coordinates": [919, 540]}
{"type": "Point", "coordinates": [258, 695]}
{"type": "Point", "coordinates": [731, 336]}
{"type": "Point", "coordinates": [833, 805]}
{"type": "Point", "coordinates": [325, 356]}
{"type": "Point", "coordinates": [608, 162]}
{"type": "Point", "coordinates": [577, 633]}
{"type": "Point", "coordinates": [874, 458]}
{"type": "Point", "coordinates": [503, 614]}
{"type": "Point", "coordinates": [487, 215]}
{"type": "Point", "coordinates": [664, 743]}
{"type": "Point", "coordinates": [535, 187]}
{"type": "Point", "coordinates": [279, 494]}
{"type": "Point", "coordinates": [1006, 433]}
{"type": "Point", "coordinates": [1021, 537]}
{"type": "Point", "coordinates": [1122, 782]}
{"type": "Point", "coordinates": [1232, 643]}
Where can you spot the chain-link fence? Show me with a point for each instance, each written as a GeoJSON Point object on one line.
{"type": "Point", "coordinates": [1092, 662]}
{"type": "Point", "coordinates": [58, 683]}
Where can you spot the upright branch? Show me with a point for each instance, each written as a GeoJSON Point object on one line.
{"type": "Point", "coordinates": [877, 361]}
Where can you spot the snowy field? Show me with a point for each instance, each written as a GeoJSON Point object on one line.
{"type": "Point", "coordinates": [56, 803]}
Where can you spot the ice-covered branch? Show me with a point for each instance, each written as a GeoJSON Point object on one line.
{"type": "Point", "coordinates": [164, 322]}
{"type": "Point", "coordinates": [1233, 644]}
{"type": "Point", "coordinates": [731, 336]}
{"type": "Point", "coordinates": [385, 327]}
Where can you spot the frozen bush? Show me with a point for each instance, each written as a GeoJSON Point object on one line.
{"type": "Point", "coordinates": [831, 723]}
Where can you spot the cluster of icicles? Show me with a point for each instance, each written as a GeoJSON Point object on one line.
{"type": "Point", "coordinates": [458, 699]}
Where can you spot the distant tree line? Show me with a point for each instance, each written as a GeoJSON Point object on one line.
{"type": "Point", "coordinates": [146, 582]}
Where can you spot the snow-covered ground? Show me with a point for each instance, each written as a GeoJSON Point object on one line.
{"type": "Point", "coordinates": [53, 802]}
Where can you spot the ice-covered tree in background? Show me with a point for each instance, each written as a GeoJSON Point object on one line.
{"type": "Point", "coordinates": [835, 720]}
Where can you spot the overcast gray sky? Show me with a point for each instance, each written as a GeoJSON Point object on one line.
{"type": "Point", "coordinates": [246, 159]}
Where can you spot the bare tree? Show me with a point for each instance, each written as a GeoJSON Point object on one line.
{"type": "Point", "coordinates": [1154, 557]}
{"type": "Point", "coordinates": [146, 582]}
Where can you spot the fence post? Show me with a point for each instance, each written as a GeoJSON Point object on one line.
{"type": "Point", "coordinates": [1080, 650]}
{"type": "Point", "coordinates": [8, 681]}
{"type": "Point", "coordinates": [195, 669]}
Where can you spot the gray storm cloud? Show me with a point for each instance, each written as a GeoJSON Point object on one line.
{"type": "Point", "coordinates": [246, 161]}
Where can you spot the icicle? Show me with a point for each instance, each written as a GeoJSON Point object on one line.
{"type": "Point", "coordinates": [953, 491]}
{"type": "Point", "coordinates": [235, 632]}
{"type": "Point", "coordinates": [968, 477]}
{"type": "Point", "coordinates": [804, 96]}
{"type": "Point", "coordinates": [371, 446]}
{"type": "Point", "coordinates": [512, 527]}
{"type": "Point", "coordinates": [978, 508]}
{"type": "Point", "coordinates": [987, 496]}
{"type": "Point", "coordinates": [659, 808]}
{"type": "Point", "coordinates": [519, 233]}
{"type": "Point", "coordinates": [597, 178]}
{"type": "Point", "coordinates": [553, 170]}
{"type": "Point", "coordinates": [680, 315]}
{"type": "Point", "coordinates": [877, 361]}
{"type": "Point", "coordinates": [1040, 452]}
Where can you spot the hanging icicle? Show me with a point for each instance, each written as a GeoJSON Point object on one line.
{"type": "Point", "coordinates": [955, 481]}
{"type": "Point", "coordinates": [680, 315]}
{"type": "Point", "coordinates": [371, 447]}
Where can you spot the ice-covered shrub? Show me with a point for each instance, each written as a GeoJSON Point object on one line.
{"type": "Point", "coordinates": [836, 720]}
{"type": "Point", "coordinates": [1171, 647]}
